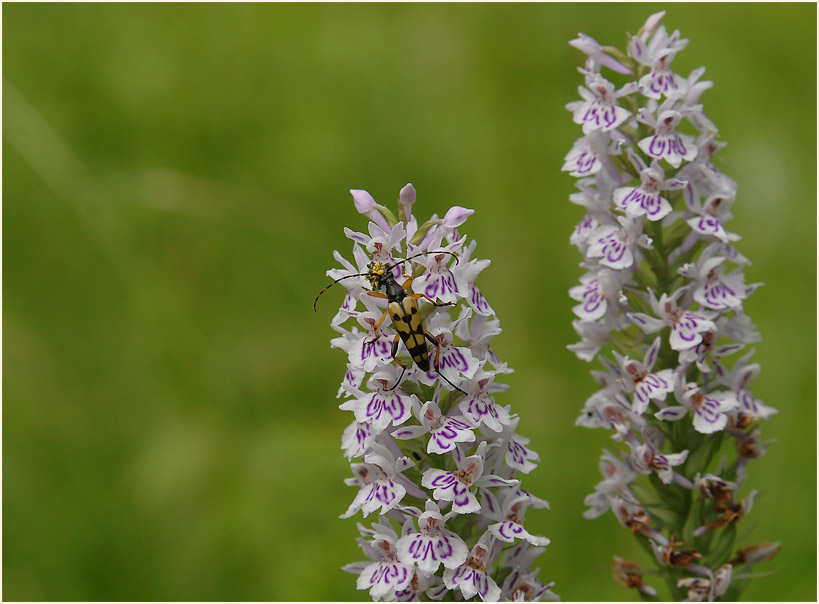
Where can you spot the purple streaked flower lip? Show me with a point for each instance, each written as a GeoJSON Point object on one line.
{"type": "Point", "coordinates": [593, 303]}
{"type": "Point", "coordinates": [456, 360]}
{"type": "Point", "coordinates": [510, 530]}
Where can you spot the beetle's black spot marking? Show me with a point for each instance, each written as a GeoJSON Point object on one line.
{"type": "Point", "coordinates": [415, 345]}
{"type": "Point", "coordinates": [403, 330]}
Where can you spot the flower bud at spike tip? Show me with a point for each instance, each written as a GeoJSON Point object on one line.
{"type": "Point", "coordinates": [456, 216]}
{"type": "Point", "coordinates": [365, 204]}
{"type": "Point", "coordinates": [406, 199]}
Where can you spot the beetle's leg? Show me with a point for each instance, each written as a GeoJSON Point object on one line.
{"type": "Point", "coordinates": [437, 345]}
{"type": "Point", "coordinates": [395, 344]}
{"type": "Point", "coordinates": [381, 320]}
{"type": "Point", "coordinates": [377, 325]}
{"type": "Point", "coordinates": [418, 296]}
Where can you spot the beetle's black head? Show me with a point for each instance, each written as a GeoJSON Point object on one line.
{"type": "Point", "coordinates": [377, 275]}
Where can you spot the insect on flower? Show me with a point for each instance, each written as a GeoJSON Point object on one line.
{"type": "Point", "coordinates": [403, 310]}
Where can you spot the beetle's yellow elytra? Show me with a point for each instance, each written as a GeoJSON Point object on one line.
{"type": "Point", "coordinates": [407, 322]}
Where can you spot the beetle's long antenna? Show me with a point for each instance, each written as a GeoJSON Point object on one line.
{"type": "Point", "coordinates": [403, 370]}
{"type": "Point", "coordinates": [426, 254]}
{"type": "Point", "coordinates": [333, 283]}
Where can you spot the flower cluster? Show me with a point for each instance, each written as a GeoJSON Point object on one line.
{"type": "Point", "coordinates": [437, 455]}
{"type": "Point", "coordinates": [663, 293]}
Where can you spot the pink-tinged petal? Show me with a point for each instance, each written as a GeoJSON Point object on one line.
{"type": "Point", "coordinates": [653, 21]}
{"type": "Point", "coordinates": [672, 147]}
{"type": "Point", "coordinates": [478, 303]}
{"type": "Point", "coordinates": [383, 408]}
{"type": "Point", "coordinates": [482, 410]}
{"type": "Point", "coordinates": [660, 82]}
{"type": "Point", "coordinates": [356, 439]}
{"type": "Point", "coordinates": [582, 160]}
{"type": "Point", "coordinates": [365, 204]}
{"type": "Point", "coordinates": [589, 45]}
{"type": "Point", "coordinates": [610, 244]}
{"type": "Point", "coordinates": [457, 360]}
{"type": "Point", "coordinates": [402, 463]}
{"type": "Point", "coordinates": [594, 303]}
{"type": "Point", "coordinates": [652, 387]}
{"type": "Point", "coordinates": [358, 238]}
{"type": "Point", "coordinates": [684, 339]}
{"type": "Point", "coordinates": [750, 406]}
{"type": "Point", "coordinates": [727, 349]}
{"type": "Point", "coordinates": [406, 197]}
{"type": "Point", "coordinates": [671, 414]}
{"type": "Point", "coordinates": [686, 331]}
{"type": "Point", "coordinates": [445, 438]}
{"type": "Point", "coordinates": [639, 404]}
{"type": "Point", "coordinates": [441, 286]}
{"type": "Point", "coordinates": [355, 568]}
{"type": "Point", "coordinates": [409, 432]}
{"type": "Point", "coordinates": [366, 354]}
{"type": "Point", "coordinates": [465, 501]}
{"type": "Point", "coordinates": [638, 202]}
{"type": "Point", "coordinates": [708, 421]}
{"type": "Point", "coordinates": [507, 531]}
{"type": "Point", "coordinates": [656, 207]}
{"type": "Point", "coordinates": [613, 64]}
{"type": "Point", "coordinates": [418, 549]}
{"type": "Point", "coordinates": [384, 577]}
{"type": "Point", "coordinates": [438, 479]}
{"type": "Point", "coordinates": [456, 216]}
{"type": "Point", "coordinates": [601, 113]}
{"type": "Point", "coordinates": [491, 480]}
{"type": "Point", "coordinates": [626, 196]}
{"type": "Point", "coordinates": [710, 225]}
{"type": "Point", "coordinates": [519, 457]}
{"type": "Point", "coordinates": [472, 582]}
{"type": "Point", "coordinates": [651, 354]}
{"type": "Point", "coordinates": [451, 549]}
{"type": "Point", "coordinates": [646, 322]}
{"type": "Point", "coordinates": [639, 50]}
{"type": "Point", "coordinates": [718, 294]}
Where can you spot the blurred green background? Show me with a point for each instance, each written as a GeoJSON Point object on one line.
{"type": "Point", "coordinates": [175, 178]}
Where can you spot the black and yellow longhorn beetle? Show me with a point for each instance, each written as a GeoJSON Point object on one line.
{"type": "Point", "coordinates": [403, 310]}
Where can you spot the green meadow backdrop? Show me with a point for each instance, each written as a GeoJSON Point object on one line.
{"type": "Point", "coordinates": [175, 179]}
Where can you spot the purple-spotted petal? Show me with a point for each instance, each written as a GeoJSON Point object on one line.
{"type": "Point", "coordinates": [646, 322]}
{"type": "Point", "coordinates": [472, 582]}
{"type": "Point", "coordinates": [430, 551]}
{"type": "Point", "coordinates": [686, 331]}
{"type": "Point", "coordinates": [444, 438]}
{"type": "Point", "coordinates": [671, 414]}
{"type": "Point", "coordinates": [385, 577]}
